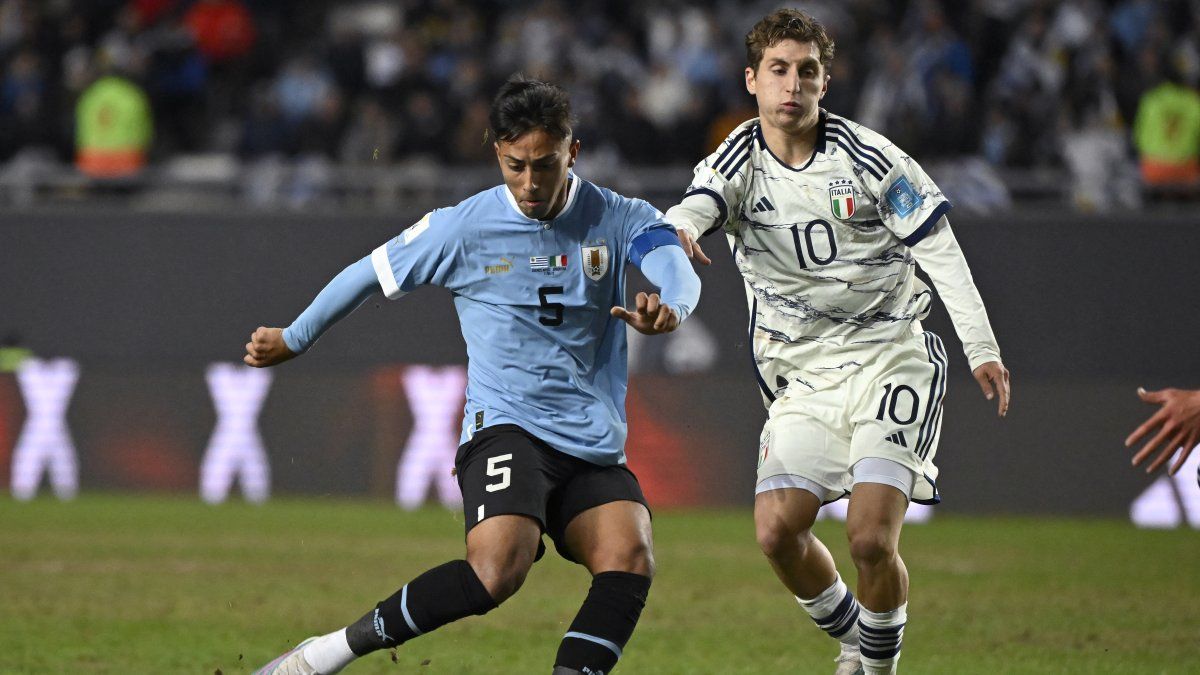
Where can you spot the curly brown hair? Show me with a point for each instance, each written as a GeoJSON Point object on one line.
{"type": "Point", "coordinates": [787, 24]}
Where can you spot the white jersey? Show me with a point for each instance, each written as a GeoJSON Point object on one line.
{"type": "Point", "coordinates": [823, 248]}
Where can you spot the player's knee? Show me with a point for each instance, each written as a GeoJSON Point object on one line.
{"type": "Point", "coordinates": [634, 557]}
{"type": "Point", "coordinates": [777, 540]}
{"type": "Point", "coordinates": [870, 548]}
{"type": "Point", "coordinates": [502, 574]}
{"type": "Point", "coordinates": [638, 558]}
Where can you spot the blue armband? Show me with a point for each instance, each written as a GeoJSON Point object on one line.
{"type": "Point", "coordinates": [650, 240]}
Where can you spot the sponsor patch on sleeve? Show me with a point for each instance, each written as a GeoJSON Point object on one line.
{"type": "Point", "coordinates": [416, 230]}
{"type": "Point", "coordinates": [903, 198]}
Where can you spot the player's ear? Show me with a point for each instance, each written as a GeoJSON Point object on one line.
{"type": "Point", "coordinates": [824, 88]}
{"type": "Point", "coordinates": [496, 147]}
{"type": "Point", "coordinates": [573, 152]}
{"type": "Point", "coordinates": [750, 81]}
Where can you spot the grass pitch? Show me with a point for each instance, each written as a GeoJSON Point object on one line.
{"type": "Point", "coordinates": [111, 584]}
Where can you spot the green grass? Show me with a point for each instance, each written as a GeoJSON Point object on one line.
{"type": "Point", "coordinates": [111, 584]}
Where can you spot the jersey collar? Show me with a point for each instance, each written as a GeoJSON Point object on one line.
{"type": "Point", "coordinates": [572, 190]}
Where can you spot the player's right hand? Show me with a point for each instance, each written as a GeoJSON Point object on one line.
{"type": "Point", "coordinates": [267, 348]}
{"type": "Point", "coordinates": [1178, 420]}
{"type": "Point", "coordinates": [651, 315]}
{"type": "Point", "coordinates": [691, 247]}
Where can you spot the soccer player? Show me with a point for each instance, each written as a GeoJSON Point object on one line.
{"type": "Point", "coordinates": [1178, 424]}
{"type": "Point", "coordinates": [826, 219]}
{"type": "Point", "coordinates": [536, 266]}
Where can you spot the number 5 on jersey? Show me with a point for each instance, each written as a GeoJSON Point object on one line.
{"type": "Point", "coordinates": [557, 307]}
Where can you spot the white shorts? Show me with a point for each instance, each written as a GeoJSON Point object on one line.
{"type": "Point", "coordinates": [890, 409]}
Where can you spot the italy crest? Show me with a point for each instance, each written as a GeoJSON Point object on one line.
{"type": "Point", "coordinates": [841, 200]}
{"type": "Point", "coordinates": [595, 261]}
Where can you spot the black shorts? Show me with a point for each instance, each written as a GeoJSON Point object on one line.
{"type": "Point", "coordinates": [506, 470]}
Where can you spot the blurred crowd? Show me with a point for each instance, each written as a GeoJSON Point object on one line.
{"type": "Point", "coordinates": [1105, 89]}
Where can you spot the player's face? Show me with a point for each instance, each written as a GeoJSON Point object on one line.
{"type": "Point", "coordinates": [535, 170]}
{"type": "Point", "coordinates": [789, 83]}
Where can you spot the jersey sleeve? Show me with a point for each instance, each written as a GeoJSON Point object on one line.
{"type": "Point", "coordinates": [644, 229]}
{"type": "Point", "coordinates": [720, 177]}
{"type": "Point", "coordinates": [909, 202]}
{"type": "Point", "coordinates": [427, 253]}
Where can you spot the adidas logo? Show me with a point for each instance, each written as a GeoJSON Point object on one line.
{"type": "Point", "coordinates": [898, 439]}
{"type": "Point", "coordinates": [763, 205]}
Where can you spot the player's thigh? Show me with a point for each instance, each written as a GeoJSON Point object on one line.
{"type": "Point", "coordinates": [503, 471]}
{"type": "Point", "coordinates": [612, 537]}
{"type": "Point", "coordinates": [874, 519]}
{"type": "Point", "coordinates": [599, 517]}
{"type": "Point", "coordinates": [897, 415]}
{"type": "Point", "coordinates": [784, 513]}
{"type": "Point", "coordinates": [805, 444]}
{"type": "Point", "coordinates": [501, 549]}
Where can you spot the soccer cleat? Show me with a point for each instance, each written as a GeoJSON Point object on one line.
{"type": "Point", "coordinates": [290, 662]}
{"type": "Point", "coordinates": [849, 662]}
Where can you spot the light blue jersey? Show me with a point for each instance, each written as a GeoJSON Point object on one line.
{"type": "Point", "coordinates": [533, 299]}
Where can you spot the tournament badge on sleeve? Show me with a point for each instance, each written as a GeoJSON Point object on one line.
{"type": "Point", "coordinates": [595, 261]}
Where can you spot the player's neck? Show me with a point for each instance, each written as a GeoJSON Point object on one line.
{"type": "Point", "coordinates": [561, 202]}
{"type": "Point", "coordinates": [793, 147]}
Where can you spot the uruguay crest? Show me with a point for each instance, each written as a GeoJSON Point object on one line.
{"type": "Point", "coordinates": [841, 200]}
{"type": "Point", "coordinates": [595, 261]}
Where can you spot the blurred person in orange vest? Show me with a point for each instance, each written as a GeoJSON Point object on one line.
{"type": "Point", "coordinates": [1166, 131]}
{"type": "Point", "coordinates": [113, 128]}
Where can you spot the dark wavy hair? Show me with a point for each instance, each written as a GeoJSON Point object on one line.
{"type": "Point", "coordinates": [787, 24]}
{"type": "Point", "coordinates": [524, 104]}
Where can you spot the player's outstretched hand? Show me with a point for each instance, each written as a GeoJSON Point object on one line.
{"type": "Point", "coordinates": [691, 247]}
{"type": "Point", "coordinates": [1179, 419]}
{"type": "Point", "coordinates": [267, 348]}
{"type": "Point", "coordinates": [650, 315]}
{"type": "Point", "coordinates": [993, 380]}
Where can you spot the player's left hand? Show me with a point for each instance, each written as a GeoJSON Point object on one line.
{"type": "Point", "coordinates": [1179, 418]}
{"type": "Point", "coordinates": [993, 380]}
{"type": "Point", "coordinates": [650, 316]}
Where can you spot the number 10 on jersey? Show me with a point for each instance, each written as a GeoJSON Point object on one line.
{"type": "Point", "coordinates": [804, 243]}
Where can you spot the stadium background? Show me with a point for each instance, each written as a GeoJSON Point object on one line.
{"type": "Point", "coordinates": [272, 145]}
{"type": "Point", "coordinates": [174, 173]}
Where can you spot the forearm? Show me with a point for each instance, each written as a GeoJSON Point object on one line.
{"type": "Point", "coordinates": [336, 301]}
{"type": "Point", "coordinates": [669, 269]}
{"type": "Point", "coordinates": [942, 259]}
{"type": "Point", "coordinates": [696, 214]}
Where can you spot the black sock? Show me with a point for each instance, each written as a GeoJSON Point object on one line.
{"type": "Point", "coordinates": [604, 623]}
{"type": "Point", "coordinates": [443, 594]}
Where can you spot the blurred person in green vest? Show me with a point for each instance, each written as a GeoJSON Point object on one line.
{"type": "Point", "coordinates": [113, 128]}
{"type": "Point", "coordinates": [1166, 132]}
{"type": "Point", "coordinates": [13, 353]}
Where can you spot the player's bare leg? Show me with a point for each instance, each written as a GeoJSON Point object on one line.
{"type": "Point", "coordinates": [613, 542]}
{"type": "Point", "coordinates": [783, 521]}
{"type": "Point", "coordinates": [873, 524]}
{"type": "Point", "coordinates": [500, 551]}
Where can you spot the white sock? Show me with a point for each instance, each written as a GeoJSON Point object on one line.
{"type": "Point", "coordinates": [835, 611]}
{"type": "Point", "coordinates": [329, 653]}
{"type": "Point", "coordinates": [881, 635]}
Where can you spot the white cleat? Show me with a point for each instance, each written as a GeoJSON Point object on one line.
{"type": "Point", "coordinates": [290, 662]}
{"type": "Point", "coordinates": [849, 662]}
